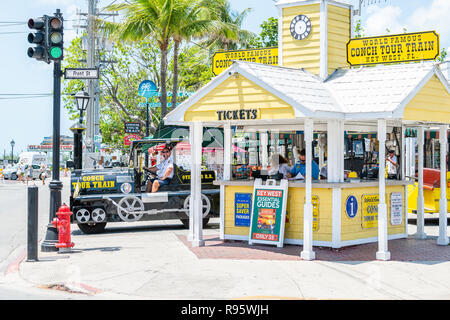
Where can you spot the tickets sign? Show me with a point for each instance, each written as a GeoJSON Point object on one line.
{"type": "Point", "coordinates": [396, 48]}
{"type": "Point", "coordinates": [222, 60]}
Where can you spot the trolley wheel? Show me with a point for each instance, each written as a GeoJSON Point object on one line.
{"type": "Point", "coordinates": [185, 222]}
{"type": "Point", "coordinates": [92, 228]}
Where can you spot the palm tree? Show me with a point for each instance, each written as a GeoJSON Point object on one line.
{"type": "Point", "coordinates": [148, 18]}
{"type": "Point", "coordinates": [197, 18]}
{"type": "Point", "coordinates": [230, 35]}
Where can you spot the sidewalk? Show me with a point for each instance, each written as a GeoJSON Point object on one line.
{"type": "Point", "coordinates": [155, 261]}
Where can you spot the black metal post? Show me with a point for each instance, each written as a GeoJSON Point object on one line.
{"type": "Point", "coordinates": [12, 154]}
{"type": "Point", "coordinates": [51, 237]}
{"type": "Point", "coordinates": [32, 230]}
{"type": "Point", "coordinates": [147, 133]}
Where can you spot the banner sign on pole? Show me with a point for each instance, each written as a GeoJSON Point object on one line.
{"type": "Point", "coordinates": [222, 60]}
{"type": "Point", "coordinates": [268, 212]}
{"type": "Point", "coordinates": [406, 47]}
{"type": "Point", "coordinates": [242, 209]}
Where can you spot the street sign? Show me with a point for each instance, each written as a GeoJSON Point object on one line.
{"type": "Point", "coordinates": [148, 89]}
{"type": "Point", "coordinates": [81, 73]}
{"type": "Point", "coordinates": [222, 60]}
{"type": "Point", "coordinates": [396, 48]}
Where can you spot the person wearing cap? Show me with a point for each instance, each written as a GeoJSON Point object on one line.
{"type": "Point", "coordinates": [300, 167]}
{"type": "Point", "coordinates": [391, 162]}
{"type": "Point", "coordinates": [163, 170]}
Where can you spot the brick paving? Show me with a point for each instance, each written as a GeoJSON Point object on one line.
{"type": "Point", "coordinates": [401, 250]}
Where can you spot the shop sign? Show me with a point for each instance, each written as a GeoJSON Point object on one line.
{"type": "Point", "coordinates": [396, 208]}
{"type": "Point", "coordinates": [369, 203]}
{"type": "Point", "coordinates": [49, 147]}
{"type": "Point", "coordinates": [222, 60]}
{"type": "Point", "coordinates": [268, 213]}
{"type": "Point", "coordinates": [242, 209]}
{"type": "Point", "coordinates": [241, 114]}
{"type": "Point", "coordinates": [397, 48]}
{"type": "Point", "coordinates": [127, 140]}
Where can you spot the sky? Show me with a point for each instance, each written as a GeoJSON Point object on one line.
{"type": "Point", "coordinates": [28, 120]}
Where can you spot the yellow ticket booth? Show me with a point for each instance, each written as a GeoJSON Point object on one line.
{"type": "Point", "coordinates": [315, 99]}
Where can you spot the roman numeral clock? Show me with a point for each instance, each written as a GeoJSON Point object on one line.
{"type": "Point", "coordinates": [300, 27]}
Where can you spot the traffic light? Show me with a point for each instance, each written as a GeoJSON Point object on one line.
{"type": "Point", "coordinates": [40, 52]}
{"type": "Point", "coordinates": [55, 37]}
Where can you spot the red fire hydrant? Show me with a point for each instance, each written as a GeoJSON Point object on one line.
{"type": "Point", "coordinates": [62, 223]}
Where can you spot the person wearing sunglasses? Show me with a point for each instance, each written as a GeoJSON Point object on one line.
{"type": "Point", "coordinates": [300, 167]}
{"type": "Point", "coordinates": [163, 170]}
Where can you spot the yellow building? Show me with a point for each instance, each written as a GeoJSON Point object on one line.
{"type": "Point", "coordinates": [312, 92]}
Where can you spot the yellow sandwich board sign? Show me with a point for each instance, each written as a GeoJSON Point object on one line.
{"type": "Point", "coordinates": [222, 60]}
{"type": "Point", "coordinates": [396, 48]}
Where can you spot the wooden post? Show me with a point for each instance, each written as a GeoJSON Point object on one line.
{"type": "Point", "coordinates": [382, 253]}
{"type": "Point", "coordinates": [443, 237]}
{"type": "Point", "coordinates": [196, 185]}
{"type": "Point", "coordinates": [420, 234]}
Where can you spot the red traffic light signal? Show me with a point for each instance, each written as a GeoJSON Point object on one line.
{"type": "Point", "coordinates": [39, 38]}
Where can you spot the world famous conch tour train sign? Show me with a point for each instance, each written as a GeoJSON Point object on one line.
{"type": "Point", "coordinates": [397, 48]}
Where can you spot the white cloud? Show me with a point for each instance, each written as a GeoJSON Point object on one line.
{"type": "Point", "coordinates": [380, 19]}
{"type": "Point", "coordinates": [434, 17]}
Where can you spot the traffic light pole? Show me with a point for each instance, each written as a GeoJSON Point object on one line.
{"type": "Point", "coordinates": [51, 237]}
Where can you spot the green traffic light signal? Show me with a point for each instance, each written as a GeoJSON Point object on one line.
{"type": "Point", "coordinates": [55, 52]}
{"type": "Point", "coordinates": [55, 37]}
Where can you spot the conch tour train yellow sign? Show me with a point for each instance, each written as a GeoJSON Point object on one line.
{"type": "Point", "coordinates": [222, 60]}
{"type": "Point", "coordinates": [405, 47]}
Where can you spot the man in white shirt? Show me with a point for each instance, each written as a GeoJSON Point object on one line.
{"type": "Point", "coordinates": [391, 162]}
{"type": "Point", "coordinates": [164, 171]}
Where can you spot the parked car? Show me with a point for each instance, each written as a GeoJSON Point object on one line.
{"type": "Point", "coordinates": [102, 196]}
{"type": "Point", "coordinates": [10, 172]}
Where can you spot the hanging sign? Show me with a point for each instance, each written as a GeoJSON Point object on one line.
{"type": "Point", "coordinates": [268, 212]}
{"type": "Point", "coordinates": [397, 48]}
{"type": "Point", "coordinates": [132, 127]}
{"type": "Point", "coordinates": [222, 60]}
{"type": "Point", "coordinates": [396, 208]}
{"type": "Point", "coordinates": [242, 209]}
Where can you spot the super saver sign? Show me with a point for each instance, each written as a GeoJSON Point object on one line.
{"type": "Point", "coordinates": [393, 48]}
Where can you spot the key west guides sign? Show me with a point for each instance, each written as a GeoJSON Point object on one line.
{"type": "Point", "coordinates": [268, 212]}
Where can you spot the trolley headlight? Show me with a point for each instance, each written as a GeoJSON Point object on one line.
{"type": "Point", "coordinates": [125, 187]}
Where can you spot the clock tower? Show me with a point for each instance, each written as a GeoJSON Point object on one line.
{"type": "Point", "coordinates": [312, 34]}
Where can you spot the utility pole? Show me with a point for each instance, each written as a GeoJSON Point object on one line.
{"type": "Point", "coordinates": [92, 45]}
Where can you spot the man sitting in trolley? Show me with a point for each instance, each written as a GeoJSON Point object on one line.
{"type": "Point", "coordinates": [163, 170]}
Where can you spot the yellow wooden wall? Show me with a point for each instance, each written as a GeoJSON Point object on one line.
{"type": "Point", "coordinates": [432, 103]}
{"type": "Point", "coordinates": [338, 34]}
{"type": "Point", "coordinates": [351, 228]}
{"type": "Point", "coordinates": [235, 94]}
{"type": "Point", "coordinates": [294, 229]}
{"type": "Point", "coordinates": [302, 53]}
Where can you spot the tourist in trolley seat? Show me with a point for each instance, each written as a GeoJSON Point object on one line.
{"type": "Point", "coordinates": [164, 171]}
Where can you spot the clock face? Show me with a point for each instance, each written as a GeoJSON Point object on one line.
{"type": "Point", "coordinates": [300, 27]}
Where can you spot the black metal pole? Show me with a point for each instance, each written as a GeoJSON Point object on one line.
{"type": "Point", "coordinates": [12, 154]}
{"type": "Point", "coordinates": [51, 237]}
{"type": "Point", "coordinates": [32, 230]}
{"type": "Point", "coordinates": [147, 133]}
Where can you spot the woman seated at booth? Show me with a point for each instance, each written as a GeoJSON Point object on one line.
{"type": "Point", "coordinates": [278, 166]}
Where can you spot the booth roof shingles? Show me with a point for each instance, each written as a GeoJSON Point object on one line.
{"type": "Point", "coordinates": [380, 90]}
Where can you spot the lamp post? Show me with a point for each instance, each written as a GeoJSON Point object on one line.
{"type": "Point", "coordinates": [82, 101]}
{"type": "Point", "coordinates": [12, 150]}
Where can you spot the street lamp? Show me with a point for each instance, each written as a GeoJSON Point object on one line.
{"type": "Point", "coordinates": [12, 150]}
{"type": "Point", "coordinates": [82, 101]}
